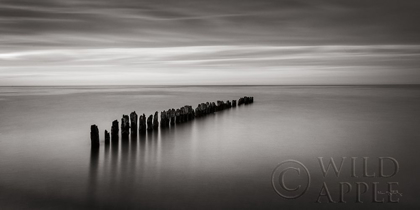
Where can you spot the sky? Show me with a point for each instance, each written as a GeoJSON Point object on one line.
{"type": "Point", "coordinates": [212, 42]}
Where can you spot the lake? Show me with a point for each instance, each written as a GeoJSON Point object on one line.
{"type": "Point", "coordinates": [222, 161]}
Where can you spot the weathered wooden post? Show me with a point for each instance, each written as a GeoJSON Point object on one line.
{"type": "Point", "coordinates": [241, 101]}
{"type": "Point", "coordinates": [186, 113]}
{"type": "Point", "coordinates": [172, 116]}
{"type": "Point", "coordinates": [133, 120]}
{"type": "Point", "coordinates": [186, 118]}
{"type": "Point", "coordinates": [246, 100]}
{"type": "Point", "coordinates": [221, 105]}
{"type": "Point", "coordinates": [94, 136]}
{"type": "Point", "coordinates": [125, 127]}
{"type": "Point", "coordinates": [203, 108]}
{"type": "Point", "coordinates": [168, 117]}
{"type": "Point", "coordinates": [156, 120]}
{"type": "Point", "coordinates": [208, 108]}
{"type": "Point", "coordinates": [233, 103]}
{"type": "Point", "coordinates": [106, 137]}
{"type": "Point", "coordinates": [183, 114]}
{"type": "Point", "coordinates": [114, 131]}
{"type": "Point", "coordinates": [177, 116]}
{"type": "Point", "coordinates": [190, 112]}
{"type": "Point", "coordinates": [212, 107]}
{"type": "Point", "coordinates": [228, 104]}
{"type": "Point", "coordinates": [197, 111]}
{"type": "Point", "coordinates": [251, 99]}
{"type": "Point", "coordinates": [142, 123]}
{"type": "Point", "coordinates": [164, 119]}
{"type": "Point", "coordinates": [150, 123]}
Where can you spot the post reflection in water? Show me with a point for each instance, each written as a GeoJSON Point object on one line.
{"type": "Point", "coordinates": [139, 167]}
{"type": "Point", "coordinates": [133, 157]}
{"type": "Point", "coordinates": [120, 170]}
{"type": "Point", "coordinates": [93, 175]}
{"type": "Point", "coordinates": [114, 164]}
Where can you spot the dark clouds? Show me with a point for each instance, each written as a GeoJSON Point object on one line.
{"type": "Point", "coordinates": [274, 22]}
{"type": "Point", "coordinates": [55, 35]}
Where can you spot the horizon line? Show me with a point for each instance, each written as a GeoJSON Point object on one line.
{"type": "Point", "coordinates": [211, 85]}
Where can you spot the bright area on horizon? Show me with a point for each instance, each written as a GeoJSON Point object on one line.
{"type": "Point", "coordinates": [213, 42]}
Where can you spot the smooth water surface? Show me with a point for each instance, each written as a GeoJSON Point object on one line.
{"type": "Point", "coordinates": [224, 160]}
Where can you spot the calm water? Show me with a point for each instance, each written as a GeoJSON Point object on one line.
{"type": "Point", "coordinates": [224, 160]}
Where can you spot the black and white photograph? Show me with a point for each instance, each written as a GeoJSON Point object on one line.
{"type": "Point", "coordinates": [209, 104]}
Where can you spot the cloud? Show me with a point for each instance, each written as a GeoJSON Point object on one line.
{"type": "Point", "coordinates": [209, 63]}
{"type": "Point", "coordinates": [138, 37]}
{"type": "Point", "coordinates": [234, 54]}
{"type": "Point", "coordinates": [203, 22]}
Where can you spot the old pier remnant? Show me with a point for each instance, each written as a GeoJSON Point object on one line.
{"type": "Point", "coordinates": [107, 138]}
{"type": "Point", "coordinates": [167, 119]}
{"type": "Point", "coordinates": [190, 113]}
{"type": "Point", "coordinates": [133, 120]}
{"type": "Point", "coordinates": [240, 101]}
{"type": "Point", "coordinates": [155, 121]}
{"type": "Point", "coordinates": [125, 127]}
{"type": "Point", "coordinates": [171, 116]}
{"type": "Point", "coordinates": [182, 114]}
{"type": "Point", "coordinates": [142, 123]}
{"type": "Point", "coordinates": [177, 116]}
{"type": "Point", "coordinates": [150, 123]}
{"type": "Point", "coordinates": [164, 120]}
{"type": "Point", "coordinates": [114, 131]}
{"type": "Point", "coordinates": [94, 135]}
{"type": "Point", "coordinates": [245, 100]}
{"type": "Point", "coordinates": [201, 110]}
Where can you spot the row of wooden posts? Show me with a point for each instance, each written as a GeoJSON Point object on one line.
{"type": "Point", "coordinates": [170, 117]}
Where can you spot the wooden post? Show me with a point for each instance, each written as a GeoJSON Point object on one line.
{"type": "Point", "coordinates": [186, 113]}
{"type": "Point", "coordinates": [114, 131]}
{"type": "Point", "coordinates": [150, 123]}
{"type": "Point", "coordinates": [177, 116]}
{"type": "Point", "coordinates": [142, 123]}
{"type": "Point", "coordinates": [221, 105]}
{"type": "Point", "coordinates": [106, 137]}
{"type": "Point", "coordinates": [190, 112]}
{"type": "Point", "coordinates": [125, 127]}
{"type": "Point", "coordinates": [233, 103]}
{"type": "Point", "coordinates": [163, 119]}
{"type": "Point", "coordinates": [197, 111]}
{"type": "Point", "coordinates": [228, 104]}
{"type": "Point", "coordinates": [182, 115]}
{"type": "Point", "coordinates": [133, 120]}
{"type": "Point", "coordinates": [156, 121]}
{"type": "Point", "coordinates": [94, 136]}
{"type": "Point", "coordinates": [208, 108]}
{"type": "Point", "coordinates": [241, 101]}
{"type": "Point", "coordinates": [246, 100]}
{"type": "Point", "coordinates": [172, 116]}
{"type": "Point", "coordinates": [212, 107]}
